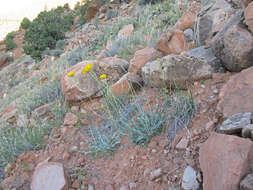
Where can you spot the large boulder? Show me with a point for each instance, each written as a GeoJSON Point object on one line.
{"type": "Point", "coordinates": [172, 42]}
{"type": "Point", "coordinates": [188, 18]}
{"type": "Point", "coordinates": [211, 20]}
{"type": "Point", "coordinates": [207, 55]}
{"type": "Point", "coordinates": [176, 71]}
{"type": "Point", "coordinates": [141, 57]}
{"type": "Point", "coordinates": [49, 176]}
{"type": "Point", "coordinates": [224, 161]}
{"type": "Point", "coordinates": [237, 94]}
{"type": "Point", "coordinates": [85, 86]}
{"type": "Point", "coordinates": [237, 50]}
{"type": "Point", "coordinates": [234, 44]}
{"type": "Point", "coordinates": [248, 14]}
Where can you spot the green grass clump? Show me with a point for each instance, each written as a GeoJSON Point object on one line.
{"type": "Point", "coordinates": [39, 96]}
{"type": "Point", "coordinates": [15, 141]}
{"type": "Point", "coordinates": [128, 116]}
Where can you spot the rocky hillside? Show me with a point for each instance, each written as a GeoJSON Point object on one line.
{"type": "Point", "coordinates": [129, 95]}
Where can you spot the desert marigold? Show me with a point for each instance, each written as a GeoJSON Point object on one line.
{"type": "Point", "coordinates": [71, 74]}
{"type": "Point", "coordinates": [87, 68]}
{"type": "Point", "coordinates": [103, 76]}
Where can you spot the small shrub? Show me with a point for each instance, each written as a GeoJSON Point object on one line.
{"type": "Point", "coordinates": [60, 44]}
{"type": "Point", "coordinates": [145, 2]}
{"type": "Point", "coordinates": [111, 14]}
{"type": "Point", "coordinates": [53, 52]}
{"type": "Point", "coordinates": [25, 24]}
{"type": "Point", "coordinates": [9, 43]}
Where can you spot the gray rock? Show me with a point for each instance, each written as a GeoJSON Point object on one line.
{"type": "Point", "coordinates": [234, 44]}
{"type": "Point", "coordinates": [208, 55]}
{"type": "Point", "coordinates": [247, 183]}
{"type": "Point", "coordinates": [176, 71]}
{"type": "Point", "coordinates": [124, 187]}
{"type": "Point", "coordinates": [188, 35]}
{"type": "Point", "coordinates": [189, 181]}
{"type": "Point", "coordinates": [50, 176]}
{"type": "Point", "coordinates": [211, 19]}
{"type": "Point", "coordinates": [132, 186]}
{"type": "Point", "coordinates": [91, 187]}
{"type": "Point", "coordinates": [156, 174]}
{"type": "Point", "coordinates": [235, 123]}
{"type": "Point", "coordinates": [22, 120]}
{"type": "Point", "coordinates": [247, 131]}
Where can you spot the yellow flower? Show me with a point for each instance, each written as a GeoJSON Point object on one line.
{"type": "Point", "coordinates": [87, 68]}
{"type": "Point", "coordinates": [103, 76]}
{"type": "Point", "coordinates": [158, 59]}
{"type": "Point", "coordinates": [71, 74]}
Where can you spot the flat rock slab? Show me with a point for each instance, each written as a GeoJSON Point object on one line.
{"type": "Point", "coordinates": [176, 71]}
{"type": "Point", "coordinates": [49, 176]}
{"type": "Point", "coordinates": [224, 161]}
{"type": "Point", "coordinates": [235, 123]}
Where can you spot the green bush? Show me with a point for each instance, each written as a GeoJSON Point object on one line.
{"type": "Point", "coordinates": [25, 24]}
{"type": "Point", "coordinates": [45, 30]}
{"type": "Point", "coordinates": [9, 43]}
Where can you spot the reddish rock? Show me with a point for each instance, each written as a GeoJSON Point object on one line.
{"type": "Point", "coordinates": [87, 86]}
{"type": "Point", "coordinates": [183, 143]}
{"type": "Point", "coordinates": [49, 176]}
{"type": "Point", "coordinates": [128, 82]}
{"type": "Point", "coordinates": [43, 111]}
{"type": "Point", "coordinates": [3, 61]}
{"type": "Point", "coordinates": [10, 113]}
{"type": "Point", "coordinates": [245, 3]}
{"type": "Point", "coordinates": [224, 161]}
{"type": "Point", "coordinates": [248, 14]}
{"type": "Point", "coordinates": [188, 18]}
{"type": "Point", "coordinates": [237, 94]}
{"type": "Point", "coordinates": [70, 119]}
{"type": "Point", "coordinates": [80, 86]}
{"type": "Point", "coordinates": [92, 9]}
{"type": "Point", "coordinates": [126, 31]}
{"type": "Point", "coordinates": [171, 43]}
{"type": "Point", "coordinates": [141, 57]}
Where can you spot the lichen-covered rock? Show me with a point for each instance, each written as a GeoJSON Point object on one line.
{"type": "Point", "coordinates": [176, 71]}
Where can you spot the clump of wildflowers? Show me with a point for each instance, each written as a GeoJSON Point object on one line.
{"type": "Point", "coordinates": [87, 68]}
{"type": "Point", "coordinates": [103, 76]}
{"type": "Point", "coordinates": [71, 74]}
